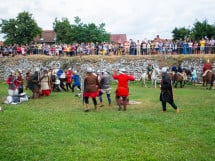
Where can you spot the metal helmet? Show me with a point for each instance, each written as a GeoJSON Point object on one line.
{"type": "Point", "coordinates": [122, 70]}
{"type": "Point", "coordinates": [164, 70]}
{"type": "Point", "coordinates": [89, 70]}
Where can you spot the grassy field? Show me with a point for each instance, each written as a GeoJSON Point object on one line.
{"type": "Point", "coordinates": [55, 128]}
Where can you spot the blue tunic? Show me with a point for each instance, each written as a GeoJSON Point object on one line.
{"type": "Point", "coordinates": [76, 81]}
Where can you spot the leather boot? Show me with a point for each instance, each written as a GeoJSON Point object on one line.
{"type": "Point", "coordinates": [96, 108]}
{"type": "Point", "coordinates": [124, 108]}
{"type": "Point", "coordinates": [87, 108]}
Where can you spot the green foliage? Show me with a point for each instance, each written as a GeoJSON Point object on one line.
{"type": "Point", "coordinates": [200, 30]}
{"type": "Point", "coordinates": [180, 33]}
{"type": "Point", "coordinates": [21, 30]}
{"type": "Point", "coordinates": [77, 20]}
{"type": "Point", "coordinates": [63, 30]}
{"type": "Point", "coordinates": [89, 32]}
{"type": "Point", "coordinates": [56, 128]}
{"type": "Point", "coordinates": [79, 32]}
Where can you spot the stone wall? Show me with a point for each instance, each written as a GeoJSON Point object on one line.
{"type": "Point", "coordinates": [136, 66]}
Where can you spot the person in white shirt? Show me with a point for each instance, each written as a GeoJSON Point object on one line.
{"type": "Point", "coordinates": [138, 47]}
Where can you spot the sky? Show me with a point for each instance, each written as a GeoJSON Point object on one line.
{"type": "Point", "coordinates": [138, 19]}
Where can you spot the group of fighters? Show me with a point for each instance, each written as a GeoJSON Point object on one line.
{"type": "Point", "coordinates": [42, 82]}
{"type": "Point", "coordinates": [96, 85]}
{"type": "Point", "coordinates": [93, 85]}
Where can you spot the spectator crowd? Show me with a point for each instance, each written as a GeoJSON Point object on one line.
{"type": "Point", "coordinates": [131, 47]}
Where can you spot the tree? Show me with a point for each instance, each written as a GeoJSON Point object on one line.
{"type": "Point", "coordinates": [63, 30]}
{"type": "Point", "coordinates": [21, 30]}
{"type": "Point", "coordinates": [202, 30]}
{"type": "Point", "coordinates": [103, 33]}
{"type": "Point", "coordinates": [79, 32]}
{"type": "Point", "coordinates": [78, 20]}
{"type": "Point", "coordinates": [181, 33]}
{"type": "Point", "coordinates": [89, 32]}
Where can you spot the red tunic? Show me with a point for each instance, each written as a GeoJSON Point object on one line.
{"type": "Point", "coordinates": [18, 50]}
{"type": "Point", "coordinates": [122, 87]}
{"type": "Point", "coordinates": [46, 92]}
{"type": "Point", "coordinates": [12, 82]}
{"type": "Point", "coordinates": [207, 66]}
{"type": "Point", "coordinates": [91, 84]}
{"type": "Point", "coordinates": [69, 76]}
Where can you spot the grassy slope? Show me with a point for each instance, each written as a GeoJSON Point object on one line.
{"type": "Point", "coordinates": [56, 128]}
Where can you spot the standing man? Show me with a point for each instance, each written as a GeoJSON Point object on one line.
{"type": "Point", "coordinates": [132, 47]}
{"type": "Point", "coordinates": [202, 46]}
{"type": "Point", "coordinates": [127, 46]}
{"type": "Point", "coordinates": [34, 84]}
{"type": "Point", "coordinates": [91, 85]}
{"type": "Point", "coordinates": [166, 94]}
{"type": "Point", "coordinates": [76, 81]}
{"type": "Point", "coordinates": [20, 81]}
{"type": "Point", "coordinates": [193, 76]}
{"type": "Point", "coordinates": [122, 90]}
{"type": "Point", "coordinates": [62, 77]}
{"type": "Point", "coordinates": [45, 84]}
{"type": "Point", "coordinates": [138, 44]}
{"type": "Point", "coordinates": [105, 88]}
{"type": "Point", "coordinates": [68, 74]}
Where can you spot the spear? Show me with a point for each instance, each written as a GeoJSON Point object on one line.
{"type": "Point", "coordinates": [82, 90]}
{"type": "Point", "coordinates": [82, 82]}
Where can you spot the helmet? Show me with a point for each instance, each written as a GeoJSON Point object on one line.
{"type": "Point", "coordinates": [89, 70]}
{"type": "Point", "coordinates": [122, 70]}
{"type": "Point", "coordinates": [164, 70]}
{"type": "Point", "coordinates": [105, 73]}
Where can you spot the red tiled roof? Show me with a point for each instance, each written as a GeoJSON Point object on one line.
{"type": "Point", "coordinates": [48, 36]}
{"type": "Point", "coordinates": [118, 38]}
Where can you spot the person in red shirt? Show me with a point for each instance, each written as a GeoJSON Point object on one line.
{"type": "Point", "coordinates": [18, 50]}
{"type": "Point", "coordinates": [207, 66]}
{"type": "Point", "coordinates": [122, 90]}
{"type": "Point", "coordinates": [69, 79]}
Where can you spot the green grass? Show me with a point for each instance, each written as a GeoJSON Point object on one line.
{"type": "Point", "coordinates": [56, 128]}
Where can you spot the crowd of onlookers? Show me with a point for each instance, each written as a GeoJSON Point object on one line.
{"type": "Point", "coordinates": [145, 47]}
